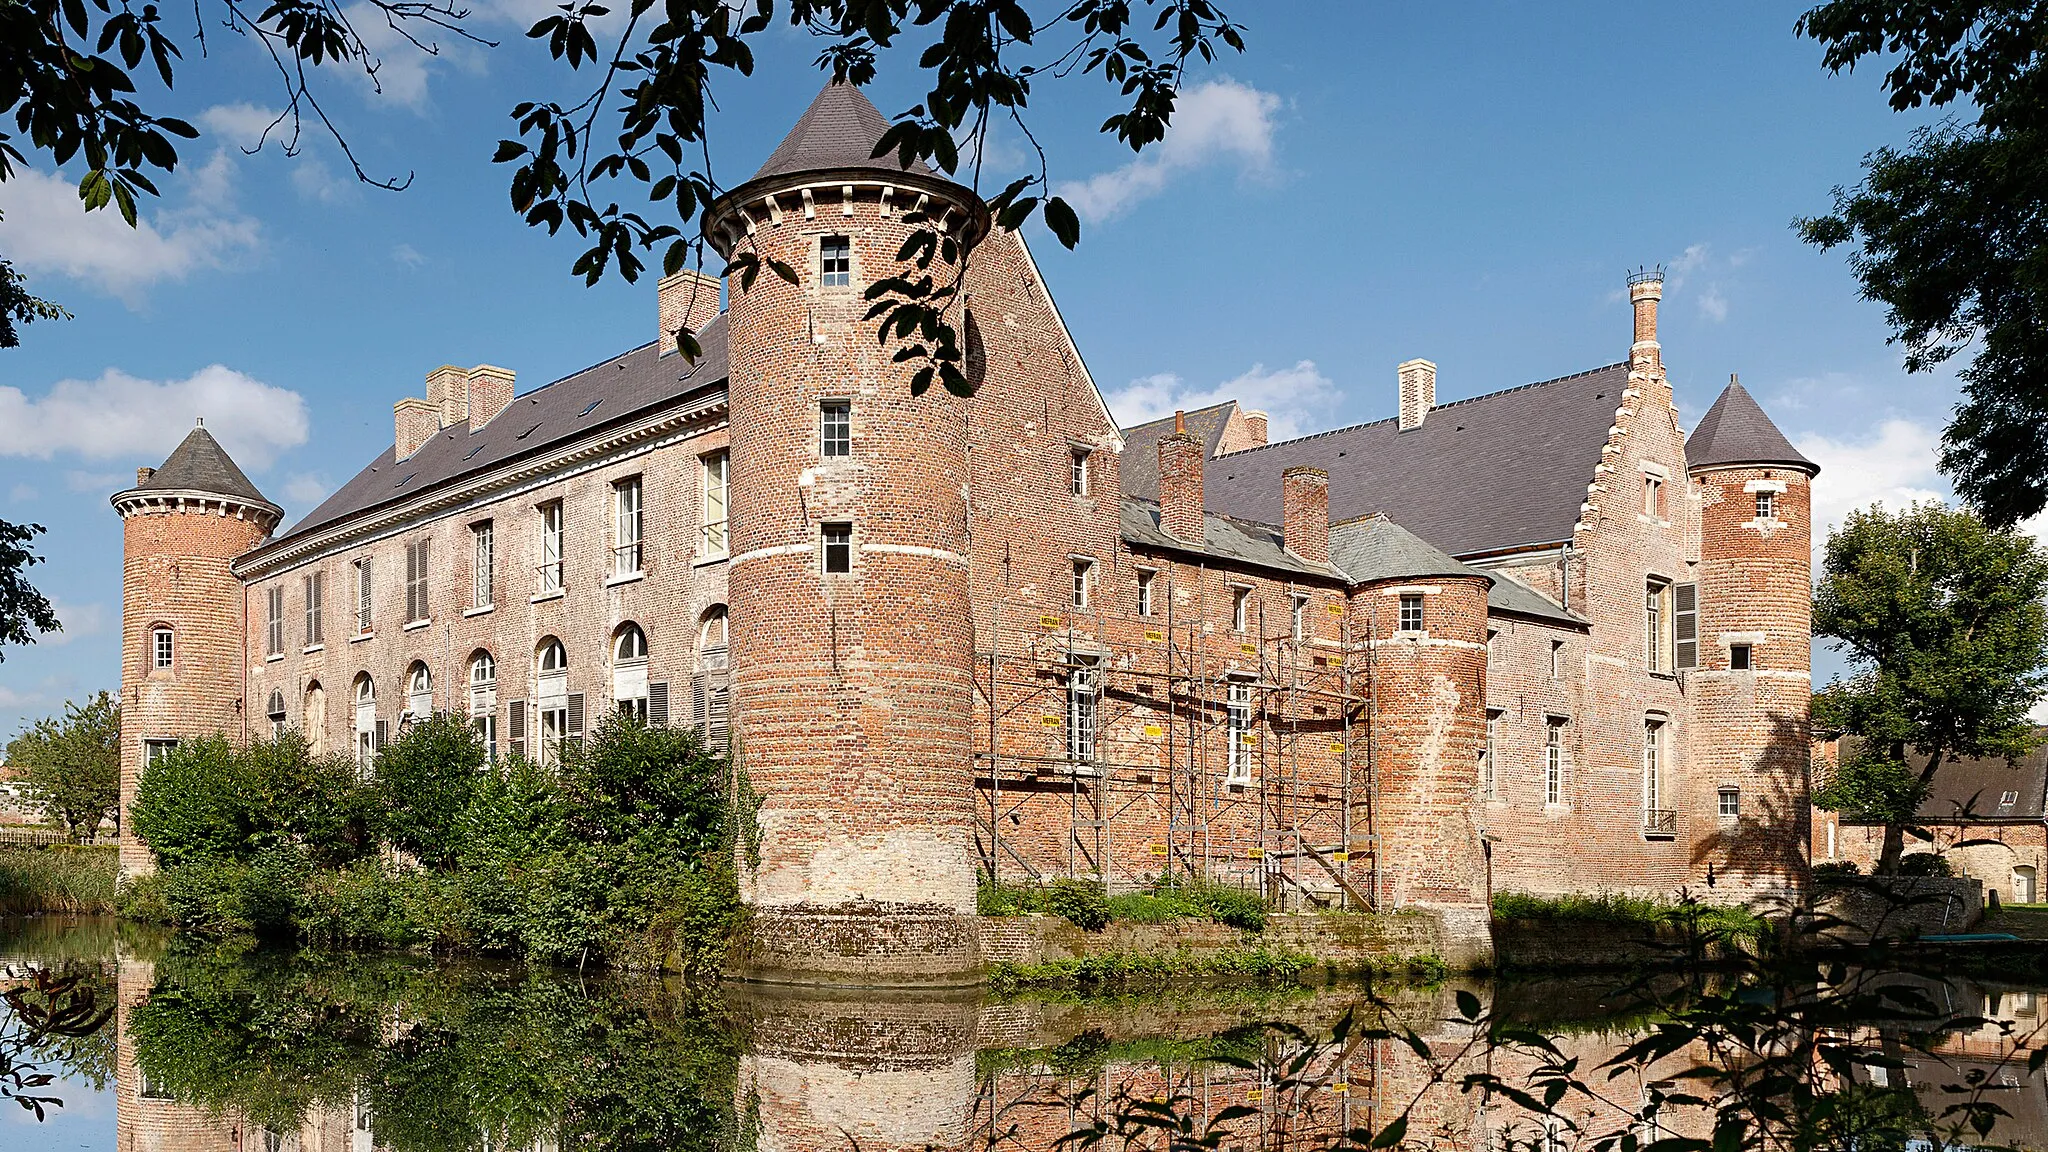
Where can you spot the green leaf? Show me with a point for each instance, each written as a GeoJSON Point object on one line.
{"type": "Point", "coordinates": [1061, 219]}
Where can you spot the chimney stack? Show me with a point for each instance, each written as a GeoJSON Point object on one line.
{"type": "Point", "coordinates": [1305, 523]}
{"type": "Point", "coordinates": [1180, 482]}
{"type": "Point", "coordinates": [1257, 421]}
{"type": "Point", "coordinates": [415, 422]}
{"type": "Point", "coordinates": [448, 393]}
{"type": "Point", "coordinates": [490, 392]}
{"type": "Point", "coordinates": [143, 474]}
{"type": "Point", "coordinates": [1418, 391]}
{"type": "Point", "coordinates": [1645, 289]}
{"type": "Point", "coordinates": [686, 300]}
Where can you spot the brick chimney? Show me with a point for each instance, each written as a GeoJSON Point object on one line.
{"type": "Point", "coordinates": [1418, 391]}
{"type": "Point", "coordinates": [1180, 482]}
{"type": "Point", "coordinates": [1257, 421]}
{"type": "Point", "coordinates": [490, 392]}
{"type": "Point", "coordinates": [448, 393]}
{"type": "Point", "coordinates": [1305, 500]}
{"type": "Point", "coordinates": [1645, 289]}
{"type": "Point", "coordinates": [143, 474]}
{"type": "Point", "coordinates": [415, 422]}
{"type": "Point", "coordinates": [688, 299]}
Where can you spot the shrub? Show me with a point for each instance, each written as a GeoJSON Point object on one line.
{"type": "Point", "coordinates": [1924, 864]}
{"type": "Point", "coordinates": [212, 801]}
{"type": "Point", "coordinates": [1835, 870]}
{"type": "Point", "coordinates": [995, 899]}
{"type": "Point", "coordinates": [424, 781]}
{"type": "Point", "coordinates": [1082, 903]}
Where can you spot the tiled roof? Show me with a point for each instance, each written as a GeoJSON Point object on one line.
{"type": "Point", "coordinates": [838, 131]}
{"type": "Point", "coordinates": [1736, 431]}
{"type": "Point", "coordinates": [200, 464]}
{"type": "Point", "coordinates": [1141, 446]}
{"type": "Point", "coordinates": [1480, 475]}
{"type": "Point", "coordinates": [1974, 791]}
{"type": "Point", "coordinates": [615, 390]}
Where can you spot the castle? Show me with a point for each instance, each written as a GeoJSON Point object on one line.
{"type": "Point", "coordinates": [1538, 639]}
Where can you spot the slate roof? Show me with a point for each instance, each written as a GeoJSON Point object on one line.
{"type": "Point", "coordinates": [838, 131]}
{"type": "Point", "coordinates": [1141, 443]}
{"type": "Point", "coordinates": [1376, 548]}
{"type": "Point", "coordinates": [1736, 431]}
{"type": "Point", "coordinates": [1222, 537]}
{"type": "Point", "coordinates": [200, 464]}
{"type": "Point", "coordinates": [1971, 791]}
{"type": "Point", "coordinates": [1520, 600]}
{"type": "Point", "coordinates": [614, 391]}
{"type": "Point", "coordinates": [1480, 475]}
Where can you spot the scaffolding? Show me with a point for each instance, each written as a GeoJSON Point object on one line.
{"type": "Point", "coordinates": [1285, 793]}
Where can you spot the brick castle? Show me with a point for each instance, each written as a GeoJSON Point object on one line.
{"type": "Point", "coordinates": [1537, 639]}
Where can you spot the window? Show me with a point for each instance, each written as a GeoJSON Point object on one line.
{"type": "Point", "coordinates": [1238, 725]}
{"type": "Point", "coordinates": [313, 719]}
{"type": "Point", "coordinates": [160, 648]}
{"type": "Point", "coordinates": [366, 722]}
{"type": "Point", "coordinates": [482, 565]}
{"type": "Point", "coordinates": [2008, 798]}
{"type": "Point", "coordinates": [1685, 625]}
{"type": "Point", "coordinates": [1492, 648]}
{"type": "Point", "coordinates": [1146, 579]}
{"type": "Point", "coordinates": [1411, 612]}
{"type": "Point", "coordinates": [1084, 688]}
{"type": "Point", "coordinates": [1240, 609]}
{"type": "Point", "coordinates": [275, 712]}
{"type": "Point", "coordinates": [1298, 622]}
{"type": "Point", "coordinates": [838, 542]}
{"type": "Point", "coordinates": [419, 692]}
{"type": "Point", "coordinates": [416, 580]}
{"type": "Point", "coordinates": [1553, 761]}
{"type": "Point", "coordinates": [1767, 505]}
{"type": "Point", "coordinates": [483, 700]}
{"type": "Point", "coordinates": [629, 672]}
{"type": "Point", "coordinates": [363, 585]}
{"type": "Point", "coordinates": [552, 658]}
{"type": "Point", "coordinates": [1656, 622]}
{"type": "Point", "coordinates": [273, 630]}
{"type": "Point", "coordinates": [154, 751]}
{"type": "Point", "coordinates": [1489, 767]}
{"type": "Point", "coordinates": [835, 428]}
{"type": "Point", "coordinates": [626, 526]}
{"type": "Point", "coordinates": [1731, 804]}
{"type": "Point", "coordinates": [835, 262]}
{"type": "Point", "coordinates": [1653, 496]}
{"type": "Point", "coordinates": [1084, 569]}
{"type": "Point", "coordinates": [1653, 774]}
{"type": "Point", "coordinates": [1079, 472]}
{"type": "Point", "coordinates": [717, 469]}
{"type": "Point", "coordinates": [552, 662]}
{"type": "Point", "coordinates": [712, 638]}
{"type": "Point", "coordinates": [549, 570]}
{"type": "Point", "coordinates": [1738, 657]}
{"type": "Point", "coordinates": [1556, 659]}
{"type": "Point", "coordinates": [316, 593]}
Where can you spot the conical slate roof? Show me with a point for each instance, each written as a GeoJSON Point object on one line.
{"type": "Point", "coordinates": [1376, 548]}
{"type": "Point", "coordinates": [200, 464]}
{"type": "Point", "coordinates": [838, 131]}
{"type": "Point", "coordinates": [1736, 431]}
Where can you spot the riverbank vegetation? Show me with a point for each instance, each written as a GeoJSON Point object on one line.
{"type": "Point", "coordinates": [1702, 920]}
{"type": "Point", "coordinates": [63, 878]}
{"type": "Point", "coordinates": [619, 854]}
{"type": "Point", "coordinates": [1087, 905]}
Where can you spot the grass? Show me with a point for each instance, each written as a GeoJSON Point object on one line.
{"type": "Point", "coordinates": [1139, 969]}
{"type": "Point", "coordinates": [66, 878]}
{"type": "Point", "coordinates": [1084, 904]}
{"type": "Point", "coordinates": [1714, 920]}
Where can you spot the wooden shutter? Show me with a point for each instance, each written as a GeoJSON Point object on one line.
{"type": "Point", "coordinates": [515, 726]}
{"type": "Point", "coordinates": [700, 712]}
{"type": "Point", "coordinates": [1685, 624]}
{"type": "Point", "coordinates": [717, 712]}
{"type": "Point", "coordinates": [383, 736]}
{"type": "Point", "coordinates": [657, 704]}
{"type": "Point", "coordinates": [575, 726]}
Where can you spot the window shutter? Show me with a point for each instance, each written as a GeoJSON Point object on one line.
{"type": "Point", "coordinates": [575, 728]}
{"type": "Point", "coordinates": [657, 704]}
{"type": "Point", "coordinates": [1685, 624]}
{"type": "Point", "coordinates": [515, 726]}
{"type": "Point", "coordinates": [383, 734]}
{"type": "Point", "coordinates": [700, 712]}
{"type": "Point", "coordinates": [717, 713]}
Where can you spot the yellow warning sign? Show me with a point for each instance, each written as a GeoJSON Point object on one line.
{"type": "Point", "coordinates": [1049, 621]}
{"type": "Point", "coordinates": [1337, 608]}
{"type": "Point", "coordinates": [1337, 747]}
{"type": "Point", "coordinates": [1255, 1095]}
{"type": "Point", "coordinates": [1248, 738]}
{"type": "Point", "coordinates": [1159, 849]}
{"type": "Point", "coordinates": [1257, 853]}
{"type": "Point", "coordinates": [1050, 721]}
{"type": "Point", "coordinates": [1340, 1088]}
{"type": "Point", "coordinates": [1154, 730]}
{"type": "Point", "coordinates": [1340, 856]}
{"type": "Point", "coordinates": [1248, 649]}
{"type": "Point", "coordinates": [1154, 635]}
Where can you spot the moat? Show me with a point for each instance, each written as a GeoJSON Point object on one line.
{"type": "Point", "coordinates": [238, 1047]}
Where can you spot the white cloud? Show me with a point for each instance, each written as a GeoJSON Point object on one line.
{"type": "Point", "coordinates": [1895, 467]}
{"type": "Point", "coordinates": [79, 480]}
{"type": "Point", "coordinates": [244, 125]}
{"type": "Point", "coordinates": [119, 415]}
{"type": "Point", "coordinates": [1296, 400]}
{"type": "Point", "coordinates": [80, 620]}
{"type": "Point", "coordinates": [314, 180]}
{"type": "Point", "coordinates": [22, 493]}
{"type": "Point", "coordinates": [305, 490]}
{"type": "Point", "coordinates": [408, 255]}
{"type": "Point", "coordinates": [1221, 120]}
{"type": "Point", "coordinates": [1698, 261]}
{"type": "Point", "coordinates": [44, 228]}
{"type": "Point", "coordinates": [1713, 305]}
{"type": "Point", "coordinates": [15, 698]}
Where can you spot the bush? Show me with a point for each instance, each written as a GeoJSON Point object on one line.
{"type": "Point", "coordinates": [1924, 864]}
{"type": "Point", "coordinates": [212, 801]}
{"type": "Point", "coordinates": [1835, 870]}
{"type": "Point", "coordinates": [1083, 903]}
{"type": "Point", "coordinates": [424, 782]}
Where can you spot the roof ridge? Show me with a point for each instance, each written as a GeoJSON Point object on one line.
{"type": "Point", "coordinates": [1438, 408]}
{"type": "Point", "coordinates": [1183, 412]}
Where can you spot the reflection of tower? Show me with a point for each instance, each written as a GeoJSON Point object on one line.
{"type": "Point", "coordinates": [881, 1074]}
{"type": "Point", "coordinates": [146, 1120]}
{"type": "Point", "coordinates": [850, 621]}
{"type": "Point", "coordinates": [182, 612]}
{"type": "Point", "coordinates": [1754, 683]}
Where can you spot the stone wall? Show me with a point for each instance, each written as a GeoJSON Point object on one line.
{"type": "Point", "coordinates": [1861, 909]}
{"type": "Point", "coordinates": [1342, 943]}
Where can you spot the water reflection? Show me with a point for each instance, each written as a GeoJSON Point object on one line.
{"type": "Point", "coordinates": [246, 1050]}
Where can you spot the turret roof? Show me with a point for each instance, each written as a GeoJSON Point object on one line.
{"type": "Point", "coordinates": [200, 464]}
{"type": "Point", "coordinates": [838, 131]}
{"type": "Point", "coordinates": [1736, 431]}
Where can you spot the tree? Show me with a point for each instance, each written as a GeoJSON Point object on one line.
{"type": "Point", "coordinates": [1941, 617]}
{"type": "Point", "coordinates": [424, 781]}
{"type": "Point", "coordinates": [71, 765]}
{"type": "Point", "coordinates": [1950, 233]}
{"type": "Point", "coordinates": [23, 610]}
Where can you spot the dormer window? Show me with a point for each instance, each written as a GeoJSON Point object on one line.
{"type": "Point", "coordinates": [835, 262]}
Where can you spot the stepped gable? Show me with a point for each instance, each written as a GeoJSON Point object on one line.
{"type": "Point", "coordinates": [837, 132]}
{"type": "Point", "coordinates": [624, 387]}
{"type": "Point", "coordinates": [200, 464]}
{"type": "Point", "coordinates": [1483, 475]}
{"type": "Point", "coordinates": [1735, 431]}
{"type": "Point", "coordinates": [1141, 443]}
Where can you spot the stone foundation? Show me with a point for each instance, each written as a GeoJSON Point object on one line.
{"type": "Point", "coordinates": [864, 945]}
{"type": "Point", "coordinates": [1347, 943]}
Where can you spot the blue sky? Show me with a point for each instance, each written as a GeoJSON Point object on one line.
{"type": "Point", "coordinates": [1369, 183]}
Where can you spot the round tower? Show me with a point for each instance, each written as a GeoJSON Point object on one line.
{"type": "Point", "coordinates": [1749, 754]}
{"type": "Point", "coordinates": [182, 610]}
{"type": "Point", "coordinates": [852, 633]}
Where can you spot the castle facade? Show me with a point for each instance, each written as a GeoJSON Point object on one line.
{"type": "Point", "coordinates": [1538, 639]}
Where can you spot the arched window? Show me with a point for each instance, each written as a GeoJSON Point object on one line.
{"type": "Point", "coordinates": [419, 691]}
{"type": "Point", "coordinates": [552, 697]}
{"type": "Point", "coordinates": [366, 721]}
{"type": "Point", "coordinates": [483, 699]}
{"type": "Point", "coordinates": [313, 718]}
{"type": "Point", "coordinates": [275, 710]}
{"type": "Point", "coordinates": [629, 671]}
{"type": "Point", "coordinates": [551, 657]}
{"type": "Point", "coordinates": [712, 636]}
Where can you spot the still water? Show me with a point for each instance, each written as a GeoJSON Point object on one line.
{"type": "Point", "coordinates": [208, 1049]}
